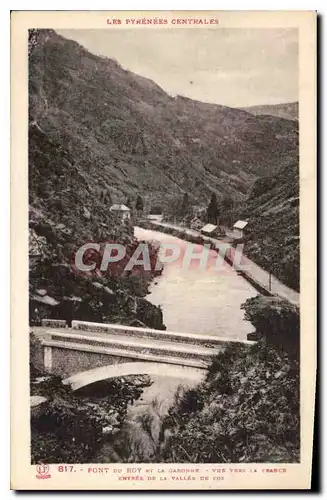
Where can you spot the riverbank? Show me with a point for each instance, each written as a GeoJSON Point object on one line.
{"type": "Point", "coordinates": [59, 290]}
{"type": "Point", "coordinates": [100, 411]}
{"type": "Point", "coordinates": [246, 411]}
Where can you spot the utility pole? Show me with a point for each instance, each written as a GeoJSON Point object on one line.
{"type": "Point", "coordinates": [270, 265]}
{"type": "Point", "coordinates": [271, 271]}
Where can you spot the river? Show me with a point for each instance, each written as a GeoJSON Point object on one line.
{"type": "Point", "coordinates": [194, 299]}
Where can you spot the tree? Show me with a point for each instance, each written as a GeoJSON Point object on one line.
{"type": "Point", "coordinates": [129, 203]}
{"type": "Point", "coordinates": [156, 210]}
{"type": "Point", "coordinates": [105, 197]}
{"type": "Point", "coordinates": [261, 186]}
{"type": "Point", "coordinates": [33, 35]}
{"type": "Point", "coordinates": [139, 204]}
{"type": "Point", "coordinates": [183, 205]}
{"type": "Point", "coordinates": [212, 210]}
{"type": "Point", "coordinates": [226, 211]}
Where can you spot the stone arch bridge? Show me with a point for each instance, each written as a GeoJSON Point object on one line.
{"type": "Point", "coordinates": [90, 352]}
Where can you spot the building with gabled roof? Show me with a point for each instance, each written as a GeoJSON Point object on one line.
{"type": "Point", "coordinates": [238, 228]}
{"type": "Point", "coordinates": [209, 229]}
{"type": "Point", "coordinates": [121, 210]}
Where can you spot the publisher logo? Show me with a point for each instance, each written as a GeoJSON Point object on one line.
{"type": "Point", "coordinates": [42, 471]}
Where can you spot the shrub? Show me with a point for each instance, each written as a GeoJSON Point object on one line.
{"type": "Point", "coordinates": [276, 320]}
{"type": "Point", "coordinates": [70, 427]}
{"type": "Point", "coordinates": [247, 410]}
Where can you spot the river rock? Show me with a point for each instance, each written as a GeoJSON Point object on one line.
{"type": "Point", "coordinates": [107, 430]}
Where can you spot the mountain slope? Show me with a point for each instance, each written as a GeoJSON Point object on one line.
{"type": "Point", "coordinates": [273, 239]}
{"type": "Point", "coordinates": [96, 128]}
{"type": "Point", "coordinates": [127, 135]}
{"type": "Point", "coordinates": [65, 212]}
{"type": "Point", "coordinates": [289, 111]}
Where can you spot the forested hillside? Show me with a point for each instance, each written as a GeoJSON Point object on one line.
{"type": "Point", "coordinates": [100, 134]}
{"type": "Point", "coordinates": [125, 133]}
{"type": "Point", "coordinates": [273, 239]}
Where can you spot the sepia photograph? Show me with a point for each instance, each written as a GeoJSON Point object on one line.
{"type": "Point", "coordinates": [164, 246]}
{"type": "Point", "coordinates": [165, 260]}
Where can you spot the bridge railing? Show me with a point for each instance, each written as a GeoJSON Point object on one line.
{"type": "Point", "coordinates": [115, 348]}
{"type": "Point", "coordinates": [115, 329]}
{"type": "Point", "coordinates": [126, 342]}
{"type": "Point", "coordinates": [83, 340]}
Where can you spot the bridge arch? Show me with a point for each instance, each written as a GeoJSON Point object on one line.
{"type": "Point", "coordinates": [88, 377]}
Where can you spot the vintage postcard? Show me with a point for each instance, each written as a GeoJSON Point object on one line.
{"type": "Point", "coordinates": [163, 250]}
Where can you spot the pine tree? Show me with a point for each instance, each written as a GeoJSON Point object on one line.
{"type": "Point", "coordinates": [227, 206]}
{"type": "Point", "coordinates": [105, 197]}
{"type": "Point", "coordinates": [129, 203]}
{"type": "Point", "coordinates": [139, 204]}
{"type": "Point", "coordinates": [212, 210]}
{"type": "Point", "coordinates": [185, 204]}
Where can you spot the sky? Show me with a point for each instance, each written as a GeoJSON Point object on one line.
{"type": "Point", "coordinates": [233, 67]}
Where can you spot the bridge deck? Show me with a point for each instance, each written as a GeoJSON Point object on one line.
{"type": "Point", "coordinates": [125, 340]}
{"type": "Point", "coordinates": [118, 344]}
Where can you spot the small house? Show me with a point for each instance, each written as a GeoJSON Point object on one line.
{"type": "Point", "coordinates": [196, 224]}
{"type": "Point", "coordinates": [122, 211]}
{"type": "Point", "coordinates": [210, 230]}
{"type": "Point", "coordinates": [238, 228]}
